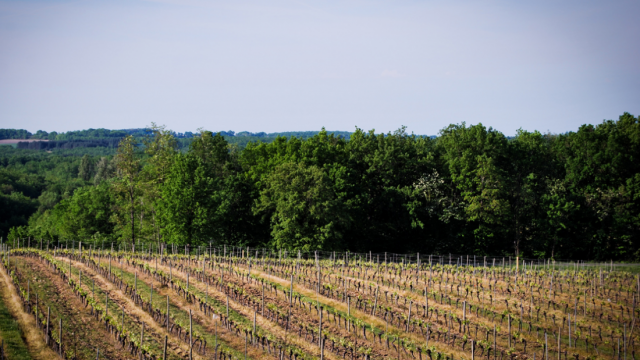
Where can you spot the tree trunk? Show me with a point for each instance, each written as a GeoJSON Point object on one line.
{"type": "Point", "coordinates": [133, 235]}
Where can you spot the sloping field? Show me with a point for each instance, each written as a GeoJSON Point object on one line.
{"type": "Point", "coordinates": [159, 306]}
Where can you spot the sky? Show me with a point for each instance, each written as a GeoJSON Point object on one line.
{"type": "Point", "coordinates": [296, 65]}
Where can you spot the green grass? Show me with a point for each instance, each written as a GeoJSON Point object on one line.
{"type": "Point", "coordinates": [14, 345]}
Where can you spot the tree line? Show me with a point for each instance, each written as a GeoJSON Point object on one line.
{"type": "Point", "coordinates": [469, 190]}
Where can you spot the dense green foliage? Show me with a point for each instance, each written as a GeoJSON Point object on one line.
{"type": "Point", "coordinates": [470, 190]}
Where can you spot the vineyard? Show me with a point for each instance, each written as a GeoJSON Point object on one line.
{"type": "Point", "coordinates": [79, 302]}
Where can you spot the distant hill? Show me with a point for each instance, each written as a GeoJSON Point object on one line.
{"type": "Point", "coordinates": [109, 139]}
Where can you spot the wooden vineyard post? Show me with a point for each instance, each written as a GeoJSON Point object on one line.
{"type": "Point", "coordinates": [167, 313]}
{"type": "Point", "coordinates": [290, 302]}
{"type": "Point", "coordinates": [546, 346]}
{"type": "Point", "coordinates": [255, 314]}
{"type": "Point", "coordinates": [60, 338]}
{"type": "Point", "coordinates": [291, 291]}
{"type": "Point", "coordinates": [37, 322]}
{"type": "Point", "coordinates": [123, 319]}
{"type": "Point", "coordinates": [191, 337]}
{"type": "Point", "coordinates": [464, 314]}
{"type": "Point", "coordinates": [48, 319]}
{"type": "Point", "coordinates": [509, 322]}
{"type": "Point", "coordinates": [227, 306]}
{"type": "Point", "coordinates": [348, 313]}
{"type": "Point", "coordinates": [245, 337]}
{"type": "Point", "coordinates": [426, 301]}
{"type": "Point", "coordinates": [427, 343]}
{"type": "Point", "coordinates": [97, 353]}
{"type": "Point", "coordinates": [320, 344]}
{"type": "Point", "coordinates": [318, 267]}
{"type": "Point", "coordinates": [375, 304]}
{"type": "Point", "coordinates": [164, 351]}
{"type": "Point", "coordinates": [151, 299]}
{"type": "Point", "coordinates": [624, 338]}
{"type": "Point", "coordinates": [106, 307]}
{"type": "Point", "coordinates": [141, 340]}
{"type": "Point", "coordinates": [409, 317]}
{"type": "Point", "coordinates": [93, 289]}
{"type": "Point", "coordinates": [262, 299]}
{"type": "Point", "coordinates": [495, 334]}
{"type": "Point", "coordinates": [473, 348]}
{"type": "Point", "coordinates": [569, 329]}
{"type": "Point", "coordinates": [558, 345]}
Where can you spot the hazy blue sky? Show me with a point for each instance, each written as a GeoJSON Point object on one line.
{"type": "Point", "coordinates": [281, 65]}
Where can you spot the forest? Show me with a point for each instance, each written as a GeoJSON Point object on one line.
{"type": "Point", "coordinates": [469, 190]}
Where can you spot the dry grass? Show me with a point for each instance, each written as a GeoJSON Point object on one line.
{"type": "Point", "coordinates": [33, 337]}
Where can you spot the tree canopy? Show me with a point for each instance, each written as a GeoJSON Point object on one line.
{"type": "Point", "coordinates": [469, 190]}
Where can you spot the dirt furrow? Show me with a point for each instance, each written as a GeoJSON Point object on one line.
{"type": "Point", "coordinates": [207, 322]}
{"type": "Point", "coordinates": [133, 310]}
{"type": "Point", "coordinates": [76, 313]}
{"type": "Point", "coordinates": [263, 322]}
{"type": "Point", "coordinates": [366, 317]}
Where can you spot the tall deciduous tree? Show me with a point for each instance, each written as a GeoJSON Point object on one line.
{"type": "Point", "coordinates": [85, 170]}
{"type": "Point", "coordinates": [474, 160]}
{"type": "Point", "coordinates": [192, 192]}
{"type": "Point", "coordinates": [127, 186]}
{"type": "Point", "coordinates": [160, 147]}
{"type": "Point", "coordinates": [105, 170]}
{"type": "Point", "coordinates": [306, 213]}
{"type": "Point", "coordinates": [85, 213]}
